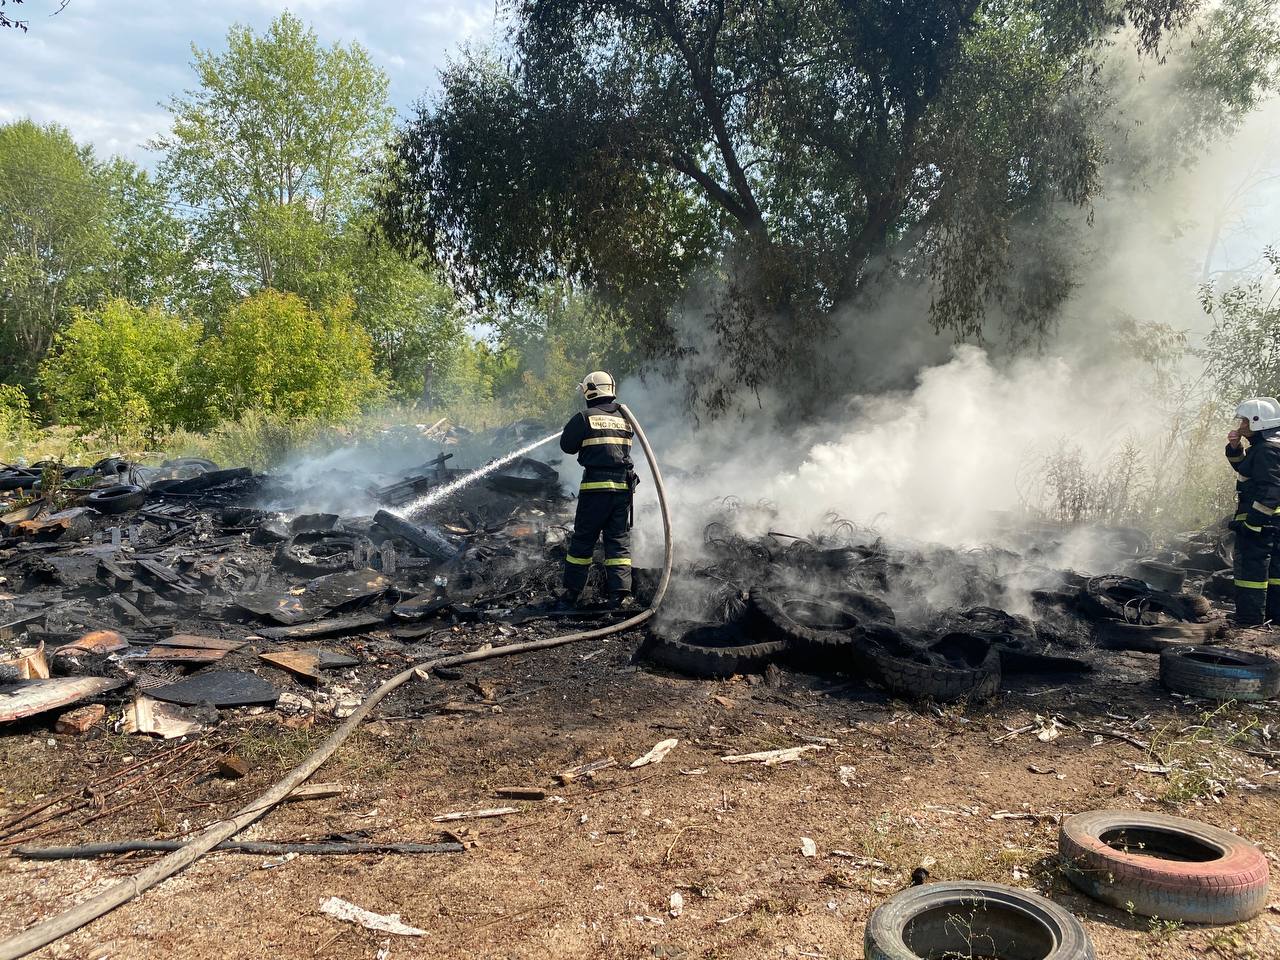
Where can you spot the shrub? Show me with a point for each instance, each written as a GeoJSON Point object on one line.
{"type": "Point", "coordinates": [124, 370]}
{"type": "Point", "coordinates": [275, 355]}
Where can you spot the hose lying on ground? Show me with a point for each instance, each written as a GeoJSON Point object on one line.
{"type": "Point", "coordinates": [52, 929]}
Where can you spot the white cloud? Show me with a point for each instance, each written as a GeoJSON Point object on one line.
{"type": "Point", "coordinates": [102, 68]}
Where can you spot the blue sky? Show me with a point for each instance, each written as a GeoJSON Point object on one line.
{"type": "Point", "coordinates": [102, 67]}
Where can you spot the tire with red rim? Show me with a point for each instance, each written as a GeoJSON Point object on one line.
{"type": "Point", "coordinates": [1164, 867]}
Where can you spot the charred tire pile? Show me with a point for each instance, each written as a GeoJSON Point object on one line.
{"type": "Point", "coordinates": [710, 649]}
{"type": "Point", "coordinates": [973, 920]}
{"type": "Point", "coordinates": [1218, 673]}
{"type": "Point", "coordinates": [1132, 601]}
{"type": "Point", "coordinates": [1164, 867]}
{"type": "Point", "coordinates": [959, 666]}
{"type": "Point", "coordinates": [317, 553]}
{"type": "Point", "coordinates": [120, 498]}
{"type": "Point", "coordinates": [18, 479]}
{"type": "Point", "coordinates": [817, 633]}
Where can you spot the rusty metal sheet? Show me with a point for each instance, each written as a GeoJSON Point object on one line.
{"type": "Point", "coordinates": [29, 697]}
{"type": "Point", "coordinates": [100, 642]}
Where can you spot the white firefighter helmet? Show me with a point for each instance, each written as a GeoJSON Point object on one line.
{"type": "Point", "coordinates": [598, 384]}
{"type": "Point", "coordinates": [1261, 413]}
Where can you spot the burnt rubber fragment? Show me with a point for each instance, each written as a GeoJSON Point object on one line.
{"type": "Point", "coordinates": [709, 649]}
{"type": "Point", "coordinates": [1133, 601]}
{"type": "Point", "coordinates": [317, 553]}
{"type": "Point", "coordinates": [958, 919]}
{"type": "Point", "coordinates": [1219, 673]}
{"type": "Point", "coordinates": [1166, 867]}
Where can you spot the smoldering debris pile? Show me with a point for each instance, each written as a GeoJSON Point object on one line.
{"type": "Point", "coordinates": [937, 623]}
{"type": "Point", "coordinates": [174, 593]}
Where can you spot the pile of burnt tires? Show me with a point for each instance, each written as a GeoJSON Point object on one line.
{"type": "Point", "coordinates": [856, 635]}
{"type": "Point", "coordinates": [1132, 614]}
{"type": "Point", "coordinates": [1156, 866]}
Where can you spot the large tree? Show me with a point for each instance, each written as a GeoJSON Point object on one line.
{"type": "Point", "coordinates": [782, 152]}
{"type": "Point", "coordinates": [273, 146]}
{"type": "Point", "coordinates": [74, 230]}
{"type": "Point", "coordinates": [53, 239]}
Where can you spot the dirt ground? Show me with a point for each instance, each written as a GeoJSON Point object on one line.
{"type": "Point", "coordinates": [590, 871]}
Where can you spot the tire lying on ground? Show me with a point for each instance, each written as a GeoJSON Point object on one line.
{"type": "Point", "coordinates": [817, 633]}
{"type": "Point", "coordinates": [1219, 673]}
{"type": "Point", "coordinates": [956, 667]}
{"type": "Point", "coordinates": [709, 649]}
{"type": "Point", "coordinates": [1153, 638]}
{"type": "Point", "coordinates": [1164, 867]}
{"type": "Point", "coordinates": [941, 920]}
{"type": "Point", "coordinates": [120, 498]}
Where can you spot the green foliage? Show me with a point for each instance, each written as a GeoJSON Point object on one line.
{"type": "Point", "coordinates": [123, 369]}
{"type": "Point", "coordinates": [778, 154]}
{"type": "Point", "coordinates": [256, 439]}
{"type": "Point", "coordinates": [560, 336]}
{"type": "Point", "coordinates": [16, 422]}
{"type": "Point", "coordinates": [272, 144]}
{"type": "Point", "coordinates": [276, 355]}
{"type": "Point", "coordinates": [53, 239]}
{"type": "Point", "coordinates": [412, 319]}
{"type": "Point", "coordinates": [151, 259]}
{"type": "Point", "coordinates": [1242, 350]}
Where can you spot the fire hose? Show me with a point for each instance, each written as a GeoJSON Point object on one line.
{"type": "Point", "coordinates": [64, 923]}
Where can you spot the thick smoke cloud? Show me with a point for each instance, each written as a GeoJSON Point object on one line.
{"type": "Point", "coordinates": [946, 457]}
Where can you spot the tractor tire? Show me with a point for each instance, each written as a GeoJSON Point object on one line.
{"type": "Point", "coordinates": [1219, 673]}
{"type": "Point", "coordinates": [961, 919]}
{"type": "Point", "coordinates": [1164, 867]}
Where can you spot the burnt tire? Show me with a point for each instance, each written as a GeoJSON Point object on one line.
{"type": "Point", "coordinates": [1219, 673]}
{"type": "Point", "coordinates": [1153, 638]}
{"type": "Point", "coordinates": [1131, 601]}
{"type": "Point", "coordinates": [119, 498]}
{"type": "Point", "coordinates": [924, 675]}
{"type": "Point", "coordinates": [817, 633]}
{"type": "Point", "coordinates": [973, 920]}
{"type": "Point", "coordinates": [318, 553]}
{"type": "Point", "coordinates": [1164, 867]}
{"type": "Point", "coordinates": [709, 650]}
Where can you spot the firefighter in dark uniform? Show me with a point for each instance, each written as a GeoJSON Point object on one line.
{"type": "Point", "coordinates": [601, 437]}
{"type": "Point", "coordinates": [1256, 523]}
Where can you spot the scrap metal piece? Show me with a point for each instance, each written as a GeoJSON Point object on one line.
{"type": "Point", "coordinates": [100, 642]}
{"type": "Point", "coordinates": [202, 643]}
{"type": "Point", "coordinates": [325, 628]}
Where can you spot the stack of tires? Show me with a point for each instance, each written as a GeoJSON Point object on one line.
{"type": "Point", "coordinates": [846, 633]}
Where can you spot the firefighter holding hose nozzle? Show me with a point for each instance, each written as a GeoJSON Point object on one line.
{"type": "Point", "coordinates": [1256, 523]}
{"type": "Point", "coordinates": [601, 437]}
